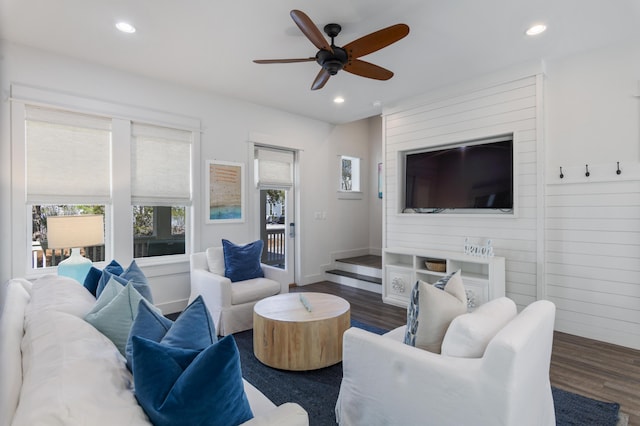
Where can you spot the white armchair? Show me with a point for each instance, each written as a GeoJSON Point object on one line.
{"type": "Point", "coordinates": [386, 382]}
{"type": "Point", "coordinates": [230, 304]}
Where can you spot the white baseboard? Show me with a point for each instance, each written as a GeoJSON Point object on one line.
{"type": "Point", "coordinates": [173, 306]}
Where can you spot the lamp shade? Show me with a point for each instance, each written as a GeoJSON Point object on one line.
{"type": "Point", "coordinates": [75, 231]}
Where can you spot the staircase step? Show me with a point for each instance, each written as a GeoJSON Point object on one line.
{"type": "Point", "coordinates": [357, 269]}
{"type": "Point", "coordinates": [356, 276]}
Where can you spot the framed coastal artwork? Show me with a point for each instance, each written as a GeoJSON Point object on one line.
{"type": "Point", "coordinates": [225, 192]}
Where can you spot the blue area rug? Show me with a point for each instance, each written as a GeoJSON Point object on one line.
{"type": "Point", "coordinates": [317, 391]}
{"type": "Point", "coordinates": [578, 410]}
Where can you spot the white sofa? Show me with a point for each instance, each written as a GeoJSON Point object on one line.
{"type": "Point", "coordinates": [386, 382]}
{"type": "Point", "coordinates": [230, 304]}
{"type": "Point", "coordinates": [56, 369]}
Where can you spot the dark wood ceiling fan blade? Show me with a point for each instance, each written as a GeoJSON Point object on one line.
{"type": "Point", "coordinates": [310, 30]}
{"type": "Point", "coordinates": [282, 61]}
{"type": "Point", "coordinates": [321, 79]}
{"type": "Point", "coordinates": [366, 69]}
{"type": "Point", "coordinates": [376, 40]}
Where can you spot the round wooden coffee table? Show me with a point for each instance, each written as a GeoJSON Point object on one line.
{"type": "Point", "coordinates": [288, 336]}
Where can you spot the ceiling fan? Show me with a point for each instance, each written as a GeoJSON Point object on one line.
{"type": "Point", "coordinates": [333, 58]}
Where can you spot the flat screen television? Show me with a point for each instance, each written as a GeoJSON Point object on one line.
{"type": "Point", "coordinates": [470, 176]}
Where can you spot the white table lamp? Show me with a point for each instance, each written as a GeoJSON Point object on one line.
{"type": "Point", "coordinates": [75, 232]}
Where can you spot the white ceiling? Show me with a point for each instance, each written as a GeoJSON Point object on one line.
{"type": "Point", "coordinates": [210, 44]}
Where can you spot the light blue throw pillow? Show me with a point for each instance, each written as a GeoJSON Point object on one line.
{"type": "Point", "coordinates": [132, 274]}
{"type": "Point", "coordinates": [194, 328]}
{"type": "Point", "coordinates": [242, 262]}
{"type": "Point", "coordinates": [189, 387]}
{"type": "Point", "coordinates": [114, 312]}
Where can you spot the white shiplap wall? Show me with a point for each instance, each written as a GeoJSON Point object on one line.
{"type": "Point", "coordinates": [593, 257]}
{"type": "Point", "coordinates": [574, 241]}
{"type": "Point", "coordinates": [511, 107]}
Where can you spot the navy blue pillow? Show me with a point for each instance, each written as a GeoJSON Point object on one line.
{"type": "Point", "coordinates": [94, 274]}
{"type": "Point", "coordinates": [194, 328]}
{"type": "Point", "coordinates": [242, 262]}
{"type": "Point", "coordinates": [189, 387]}
{"type": "Point", "coordinates": [132, 274]}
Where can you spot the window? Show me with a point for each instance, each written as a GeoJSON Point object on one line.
{"type": "Point", "coordinates": [42, 255]}
{"type": "Point", "coordinates": [349, 174]}
{"type": "Point", "coordinates": [83, 163]}
{"type": "Point", "coordinates": [158, 230]}
{"type": "Point", "coordinates": [61, 171]}
{"type": "Point", "coordinates": [160, 189]}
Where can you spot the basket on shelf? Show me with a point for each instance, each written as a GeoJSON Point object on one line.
{"type": "Point", "coordinates": [436, 265]}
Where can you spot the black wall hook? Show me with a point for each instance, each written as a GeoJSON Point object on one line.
{"type": "Point", "coordinates": [561, 174]}
{"type": "Point", "coordinates": [587, 174]}
{"type": "Point", "coordinates": [618, 171]}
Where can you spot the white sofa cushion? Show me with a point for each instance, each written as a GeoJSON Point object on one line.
{"type": "Point", "coordinates": [73, 375]}
{"type": "Point", "coordinates": [253, 290]}
{"type": "Point", "coordinates": [62, 294]}
{"type": "Point", "coordinates": [11, 332]}
{"type": "Point", "coordinates": [431, 310]}
{"type": "Point", "coordinates": [470, 333]}
{"type": "Point", "coordinates": [215, 260]}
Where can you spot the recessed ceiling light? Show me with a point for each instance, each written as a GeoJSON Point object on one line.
{"type": "Point", "coordinates": [125, 27]}
{"type": "Point", "coordinates": [536, 29]}
{"type": "Point", "coordinates": [338, 99]}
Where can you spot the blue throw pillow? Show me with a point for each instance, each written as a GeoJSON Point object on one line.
{"type": "Point", "coordinates": [132, 274]}
{"type": "Point", "coordinates": [194, 328]}
{"type": "Point", "coordinates": [189, 387]}
{"type": "Point", "coordinates": [242, 262]}
{"type": "Point", "coordinates": [94, 274]}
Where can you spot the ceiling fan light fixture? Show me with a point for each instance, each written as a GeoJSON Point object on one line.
{"type": "Point", "coordinates": [126, 27]}
{"type": "Point", "coordinates": [536, 29]}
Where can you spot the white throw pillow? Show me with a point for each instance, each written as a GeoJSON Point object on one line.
{"type": "Point", "coordinates": [435, 310]}
{"type": "Point", "coordinates": [58, 293]}
{"type": "Point", "coordinates": [215, 260]}
{"type": "Point", "coordinates": [469, 334]}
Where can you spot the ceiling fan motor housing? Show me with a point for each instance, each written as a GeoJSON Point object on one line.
{"type": "Point", "coordinates": [332, 62]}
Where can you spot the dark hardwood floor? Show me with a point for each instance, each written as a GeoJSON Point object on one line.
{"type": "Point", "coordinates": [588, 367]}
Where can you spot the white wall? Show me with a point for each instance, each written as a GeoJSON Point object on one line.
{"type": "Point", "coordinates": [345, 231]}
{"type": "Point", "coordinates": [226, 124]}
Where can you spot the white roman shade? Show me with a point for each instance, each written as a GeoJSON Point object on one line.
{"type": "Point", "coordinates": [160, 165]}
{"type": "Point", "coordinates": [273, 168]}
{"type": "Point", "coordinates": [68, 156]}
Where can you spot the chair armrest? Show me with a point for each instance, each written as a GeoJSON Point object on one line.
{"type": "Point", "coordinates": [274, 274]}
{"type": "Point", "coordinates": [387, 382]}
{"type": "Point", "coordinates": [215, 289]}
{"type": "Point", "coordinates": [288, 414]}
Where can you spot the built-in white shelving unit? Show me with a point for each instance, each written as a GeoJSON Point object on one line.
{"type": "Point", "coordinates": [483, 277]}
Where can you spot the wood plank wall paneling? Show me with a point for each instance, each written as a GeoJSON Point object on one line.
{"type": "Point", "coordinates": [582, 247]}
{"type": "Point", "coordinates": [507, 108]}
{"type": "Point", "coordinates": [593, 259]}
